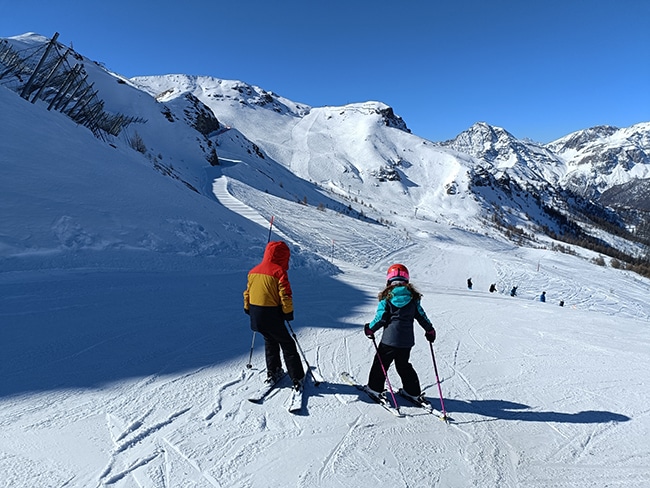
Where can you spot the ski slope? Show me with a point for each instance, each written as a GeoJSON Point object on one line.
{"type": "Point", "coordinates": [124, 344]}
{"type": "Point", "coordinates": [143, 382]}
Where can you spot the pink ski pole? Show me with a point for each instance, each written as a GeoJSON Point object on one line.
{"type": "Point", "coordinates": [435, 368]}
{"type": "Point", "coordinates": [390, 388]}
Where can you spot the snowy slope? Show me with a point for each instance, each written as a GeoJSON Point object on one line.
{"type": "Point", "coordinates": [124, 344]}
{"type": "Point", "coordinates": [361, 151]}
{"type": "Point", "coordinates": [364, 155]}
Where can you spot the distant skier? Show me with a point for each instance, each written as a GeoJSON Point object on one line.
{"type": "Point", "coordinates": [268, 300]}
{"type": "Point", "coordinates": [493, 287]}
{"type": "Point", "coordinates": [469, 283]}
{"type": "Point", "coordinates": [513, 292]}
{"type": "Point", "coordinates": [399, 305]}
{"type": "Point", "coordinates": [542, 297]}
{"type": "Point", "coordinates": [561, 303]}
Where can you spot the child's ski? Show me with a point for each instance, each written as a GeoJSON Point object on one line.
{"type": "Point", "coordinates": [348, 378]}
{"type": "Point", "coordinates": [425, 404]}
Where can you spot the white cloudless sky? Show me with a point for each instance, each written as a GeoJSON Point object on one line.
{"type": "Point", "coordinates": [539, 69]}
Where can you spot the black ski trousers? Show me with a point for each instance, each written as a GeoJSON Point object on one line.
{"type": "Point", "coordinates": [405, 370]}
{"type": "Point", "coordinates": [269, 321]}
{"type": "Point", "coordinates": [276, 339]}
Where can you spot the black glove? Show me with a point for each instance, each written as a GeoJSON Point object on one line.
{"type": "Point", "coordinates": [368, 331]}
{"type": "Point", "coordinates": [288, 316]}
{"type": "Point", "coordinates": [430, 335]}
{"type": "Point", "coordinates": [247, 312]}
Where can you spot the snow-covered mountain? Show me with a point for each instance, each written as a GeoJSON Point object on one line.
{"type": "Point", "coordinates": [124, 253]}
{"type": "Point", "coordinates": [365, 152]}
{"type": "Point", "coordinates": [530, 185]}
{"type": "Point", "coordinates": [569, 174]}
{"type": "Point", "coordinates": [611, 156]}
{"type": "Point", "coordinates": [500, 151]}
{"type": "Point", "coordinates": [587, 162]}
{"type": "Point", "coordinates": [607, 160]}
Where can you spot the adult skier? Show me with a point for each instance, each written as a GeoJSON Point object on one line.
{"type": "Point", "coordinates": [542, 297]}
{"type": "Point", "coordinates": [399, 305]}
{"type": "Point", "coordinates": [268, 301]}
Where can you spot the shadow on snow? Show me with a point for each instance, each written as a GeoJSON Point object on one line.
{"type": "Point", "coordinates": [506, 410]}
{"type": "Point", "coordinates": [65, 328]}
{"type": "Point", "coordinates": [489, 409]}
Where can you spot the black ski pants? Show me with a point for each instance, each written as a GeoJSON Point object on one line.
{"type": "Point", "coordinates": [276, 340]}
{"type": "Point", "coordinates": [269, 321]}
{"type": "Point", "coordinates": [405, 370]}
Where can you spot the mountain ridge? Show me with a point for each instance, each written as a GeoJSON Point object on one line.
{"type": "Point", "coordinates": [363, 155]}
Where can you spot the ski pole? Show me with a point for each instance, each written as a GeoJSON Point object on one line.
{"type": "Point", "coordinates": [435, 369]}
{"type": "Point", "coordinates": [250, 357]}
{"type": "Point", "coordinates": [293, 334]}
{"type": "Point", "coordinates": [270, 227]}
{"type": "Point", "coordinates": [390, 388]}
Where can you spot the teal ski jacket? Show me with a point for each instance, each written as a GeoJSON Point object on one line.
{"type": "Point", "coordinates": [396, 315]}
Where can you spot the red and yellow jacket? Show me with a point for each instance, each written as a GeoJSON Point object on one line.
{"type": "Point", "coordinates": [268, 282]}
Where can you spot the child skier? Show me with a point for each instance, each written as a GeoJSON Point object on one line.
{"type": "Point", "coordinates": [268, 300]}
{"type": "Point", "coordinates": [399, 305]}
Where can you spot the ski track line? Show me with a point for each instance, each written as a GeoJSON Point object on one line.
{"type": "Point", "coordinates": [574, 447]}
{"type": "Point", "coordinates": [150, 430]}
{"type": "Point", "coordinates": [135, 465]}
{"type": "Point", "coordinates": [346, 354]}
{"type": "Point", "coordinates": [239, 457]}
{"type": "Point", "coordinates": [133, 426]}
{"type": "Point", "coordinates": [332, 456]}
{"type": "Point", "coordinates": [210, 479]}
{"type": "Point", "coordinates": [139, 436]}
{"type": "Point", "coordinates": [230, 450]}
{"type": "Point", "coordinates": [593, 439]}
{"type": "Point", "coordinates": [558, 431]}
{"type": "Point", "coordinates": [467, 383]}
{"type": "Point", "coordinates": [219, 393]}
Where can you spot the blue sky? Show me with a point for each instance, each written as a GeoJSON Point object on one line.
{"type": "Point", "coordinates": [539, 69]}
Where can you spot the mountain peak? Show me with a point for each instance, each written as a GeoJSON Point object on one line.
{"type": "Point", "coordinates": [484, 141]}
{"type": "Point", "coordinates": [480, 134]}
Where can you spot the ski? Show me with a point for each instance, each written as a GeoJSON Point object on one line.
{"type": "Point", "coordinates": [424, 404]}
{"type": "Point", "coordinates": [295, 399]}
{"type": "Point", "coordinates": [348, 378]}
{"type": "Point", "coordinates": [266, 388]}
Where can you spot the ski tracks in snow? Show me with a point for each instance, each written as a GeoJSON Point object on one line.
{"type": "Point", "coordinates": [368, 247]}
{"type": "Point", "coordinates": [219, 394]}
{"type": "Point", "coordinates": [139, 439]}
{"type": "Point", "coordinates": [152, 449]}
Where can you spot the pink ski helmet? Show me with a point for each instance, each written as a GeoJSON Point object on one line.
{"type": "Point", "coordinates": [397, 272]}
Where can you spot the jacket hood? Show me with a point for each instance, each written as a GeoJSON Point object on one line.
{"type": "Point", "coordinates": [277, 252]}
